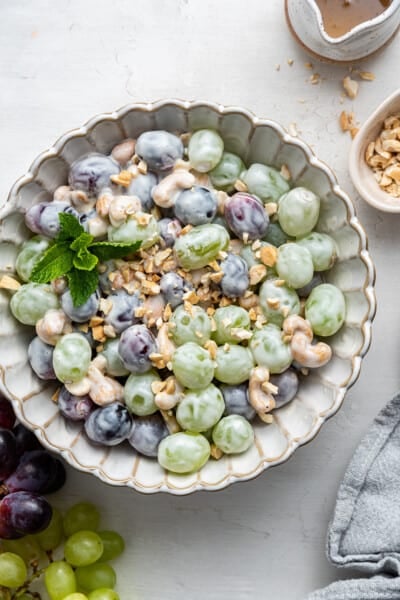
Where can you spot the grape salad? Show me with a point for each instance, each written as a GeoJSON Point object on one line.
{"type": "Point", "coordinates": [178, 295]}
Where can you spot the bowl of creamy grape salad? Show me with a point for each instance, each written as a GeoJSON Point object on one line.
{"type": "Point", "coordinates": [186, 296]}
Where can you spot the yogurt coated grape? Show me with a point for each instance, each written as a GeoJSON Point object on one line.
{"type": "Point", "coordinates": [190, 327]}
{"type": "Point", "coordinates": [147, 433]}
{"type": "Point", "coordinates": [115, 366]}
{"type": "Point", "coordinates": [233, 364]}
{"type": "Point", "coordinates": [81, 313]}
{"type": "Point", "coordinates": [201, 245]}
{"type": "Point", "coordinates": [201, 409]}
{"type": "Point", "coordinates": [237, 400]}
{"type": "Point", "coordinates": [92, 173]}
{"type": "Point", "coordinates": [265, 182]}
{"type": "Point", "coordinates": [227, 172]}
{"type": "Point", "coordinates": [246, 216]}
{"type": "Point", "coordinates": [229, 322]}
{"type": "Point", "coordinates": [295, 265]}
{"type": "Point", "coordinates": [195, 206]}
{"type": "Point", "coordinates": [31, 301]}
{"type": "Point", "coordinates": [40, 356]}
{"type": "Point", "coordinates": [109, 425]}
{"type": "Point", "coordinates": [159, 149]}
{"type": "Point", "coordinates": [71, 357]}
{"type": "Point", "coordinates": [183, 452]}
{"type": "Point", "coordinates": [31, 252]}
{"type": "Point", "coordinates": [138, 394]}
{"type": "Point", "coordinates": [122, 312]}
{"type": "Point", "coordinates": [298, 211]}
{"type": "Point", "coordinates": [205, 150]}
{"type": "Point", "coordinates": [322, 249]}
{"type": "Point", "coordinates": [134, 231]}
{"type": "Point", "coordinates": [233, 434]}
{"type": "Point", "coordinates": [135, 346]}
{"type": "Point", "coordinates": [269, 349]}
{"type": "Point", "coordinates": [192, 366]}
{"type": "Point", "coordinates": [235, 280]}
{"type": "Point", "coordinates": [141, 186]}
{"type": "Point", "coordinates": [326, 309]}
{"type": "Point", "coordinates": [278, 300]}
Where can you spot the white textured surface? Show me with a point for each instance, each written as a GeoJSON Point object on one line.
{"type": "Point", "coordinates": [61, 63]}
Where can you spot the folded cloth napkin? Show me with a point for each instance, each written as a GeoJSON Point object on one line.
{"type": "Point", "coordinates": [365, 529]}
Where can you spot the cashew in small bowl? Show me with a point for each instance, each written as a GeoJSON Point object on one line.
{"type": "Point", "coordinates": [303, 350]}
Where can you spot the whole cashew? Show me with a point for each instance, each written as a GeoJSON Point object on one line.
{"type": "Point", "coordinates": [124, 151]}
{"type": "Point", "coordinates": [170, 396]}
{"type": "Point", "coordinates": [261, 400]}
{"type": "Point", "coordinates": [52, 326]}
{"type": "Point", "coordinates": [102, 389]}
{"type": "Point", "coordinates": [121, 207]}
{"type": "Point", "coordinates": [98, 227]}
{"type": "Point", "coordinates": [164, 193]}
{"type": "Point", "coordinates": [79, 388]}
{"type": "Point", "coordinates": [303, 351]}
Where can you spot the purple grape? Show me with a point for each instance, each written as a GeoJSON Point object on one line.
{"type": "Point", "coordinates": [26, 440]}
{"type": "Point", "coordinates": [58, 479]}
{"type": "Point", "coordinates": [75, 408]}
{"type": "Point", "coordinates": [81, 313]}
{"type": "Point", "coordinates": [288, 384]}
{"type": "Point", "coordinates": [7, 416]}
{"type": "Point", "coordinates": [173, 288]}
{"type": "Point", "coordinates": [40, 356]}
{"type": "Point", "coordinates": [237, 401]}
{"type": "Point", "coordinates": [109, 425]}
{"type": "Point", "coordinates": [34, 473]}
{"type": "Point", "coordinates": [135, 346]}
{"type": "Point", "coordinates": [43, 217]}
{"type": "Point", "coordinates": [92, 173]}
{"type": "Point", "coordinates": [8, 453]}
{"type": "Point", "coordinates": [246, 215]}
{"type": "Point", "coordinates": [24, 513]}
{"type": "Point", "coordinates": [122, 313]}
{"type": "Point", "coordinates": [141, 187]}
{"type": "Point", "coordinates": [196, 206]}
{"type": "Point", "coordinates": [235, 280]}
{"type": "Point", "coordinates": [169, 230]}
{"type": "Point", "coordinates": [159, 149]}
{"type": "Point", "coordinates": [147, 433]}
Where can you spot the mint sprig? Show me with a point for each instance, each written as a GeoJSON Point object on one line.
{"type": "Point", "coordinates": [75, 254]}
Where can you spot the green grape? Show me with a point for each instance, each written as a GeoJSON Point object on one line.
{"type": "Point", "coordinates": [227, 319]}
{"type": "Point", "coordinates": [269, 350]}
{"type": "Point", "coordinates": [227, 171]}
{"type": "Point", "coordinates": [113, 545]}
{"type": "Point", "coordinates": [200, 410]}
{"type": "Point", "coordinates": [205, 150]}
{"type": "Point", "coordinates": [295, 265]}
{"type": "Point", "coordinates": [278, 301]}
{"type": "Point", "coordinates": [138, 395]}
{"type": "Point", "coordinates": [71, 357]}
{"type": "Point", "coordinates": [92, 577]}
{"type": "Point", "coordinates": [131, 231]}
{"type": "Point", "coordinates": [183, 452]}
{"type": "Point", "coordinates": [322, 249]}
{"type": "Point", "coordinates": [190, 327]}
{"type": "Point", "coordinates": [13, 571]}
{"type": "Point", "coordinates": [51, 537]}
{"type": "Point", "coordinates": [298, 211]}
{"type": "Point", "coordinates": [326, 309]}
{"type": "Point", "coordinates": [193, 366]}
{"type": "Point", "coordinates": [234, 364]}
{"type": "Point", "coordinates": [25, 597]}
{"type": "Point", "coordinates": [103, 594]}
{"type": "Point", "coordinates": [201, 245]}
{"type": "Point", "coordinates": [31, 301]}
{"type": "Point", "coordinates": [83, 515]}
{"type": "Point", "coordinates": [76, 596]}
{"type": "Point", "coordinates": [26, 547]}
{"type": "Point", "coordinates": [275, 235]}
{"type": "Point", "coordinates": [83, 548]}
{"type": "Point", "coordinates": [60, 580]}
{"type": "Point", "coordinates": [115, 366]}
{"type": "Point", "coordinates": [31, 252]}
{"type": "Point", "coordinates": [233, 434]}
{"type": "Point", "coordinates": [265, 182]}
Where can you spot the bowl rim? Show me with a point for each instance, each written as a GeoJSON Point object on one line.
{"type": "Point", "coordinates": [378, 199]}
{"type": "Point", "coordinates": [351, 219]}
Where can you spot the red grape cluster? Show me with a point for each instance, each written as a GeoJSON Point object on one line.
{"type": "Point", "coordinates": [27, 471]}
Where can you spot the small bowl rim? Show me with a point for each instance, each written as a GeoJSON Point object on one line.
{"type": "Point", "coordinates": [367, 133]}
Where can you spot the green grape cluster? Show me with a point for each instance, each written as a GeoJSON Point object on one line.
{"type": "Point", "coordinates": [71, 557]}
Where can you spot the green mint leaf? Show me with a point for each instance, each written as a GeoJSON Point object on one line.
{"type": "Point", "coordinates": [85, 260]}
{"type": "Point", "coordinates": [56, 261]}
{"type": "Point", "coordinates": [82, 284]}
{"type": "Point", "coordinates": [107, 250]}
{"type": "Point", "coordinates": [81, 242]}
{"type": "Point", "coordinates": [70, 228]}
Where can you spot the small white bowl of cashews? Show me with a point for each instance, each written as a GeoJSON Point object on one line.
{"type": "Point", "coordinates": [188, 292]}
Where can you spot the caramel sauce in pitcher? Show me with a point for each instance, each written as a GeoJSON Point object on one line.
{"type": "Point", "coordinates": [340, 16]}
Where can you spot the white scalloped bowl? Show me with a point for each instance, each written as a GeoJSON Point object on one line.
{"type": "Point", "coordinates": [320, 394]}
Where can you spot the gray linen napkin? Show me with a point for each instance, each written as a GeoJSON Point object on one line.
{"type": "Point", "coordinates": [365, 529]}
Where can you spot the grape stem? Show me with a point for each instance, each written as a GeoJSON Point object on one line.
{"type": "Point", "coordinates": [24, 589]}
{"type": "Point", "coordinates": [5, 593]}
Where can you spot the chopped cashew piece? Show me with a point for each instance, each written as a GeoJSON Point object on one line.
{"type": "Point", "coordinates": [53, 325]}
